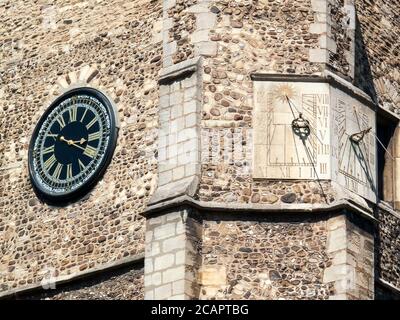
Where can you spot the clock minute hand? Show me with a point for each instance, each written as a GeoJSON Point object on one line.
{"type": "Point", "coordinates": [72, 143]}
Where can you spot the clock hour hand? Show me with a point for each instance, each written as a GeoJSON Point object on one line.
{"type": "Point", "coordinates": [73, 143]}
{"type": "Point", "coordinates": [82, 141]}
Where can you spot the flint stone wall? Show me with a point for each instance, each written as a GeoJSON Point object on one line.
{"type": "Point", "coordinates": [388, 249]}
{"type": "Point", "coordinates": [377, 53]}
{"type": "Point", "coordinates": [44, 50]}
{"type": "Point", "coordinates": [123, 284]}
{"type": "Point", "coordinates": [265, 259]}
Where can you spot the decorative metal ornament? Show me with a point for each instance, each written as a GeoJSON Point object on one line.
{"type": "Point", "coordinates": [301, 127]}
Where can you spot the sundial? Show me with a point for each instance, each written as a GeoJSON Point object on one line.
{"type": "Point", "coordinates": [356, 150]}
{"type": "Point", "coordinates": [313, 131]}
{"type": "Point", "coordinates": [283, 148]}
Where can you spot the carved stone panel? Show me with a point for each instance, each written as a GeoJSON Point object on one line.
{"type": "Point", "coordinates": [354, 145]}
{"type": "Point", "coordinates": [291, 130]}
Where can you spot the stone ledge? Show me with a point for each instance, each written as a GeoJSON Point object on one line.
{"type": "Point", "coordinates": [388, 285]}
{"type": "Point", "coordinates": [180, 70]}
{"type": "Point", "coordinates": [184, 187]}
{"type": "Point", "coordinates": [326, 77]}
{"type": "Point", "coordinates": [388, 209]}
{"type": "Point", "coordinates": [76, 276]}
{"type": "Point", "coordinates": [156, 208]}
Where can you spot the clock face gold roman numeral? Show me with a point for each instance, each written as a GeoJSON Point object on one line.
{"type": "Point", "coordinates": [48, 150]}
{"type": "Point", "coordinates": [52, 135]}
{"type": "Point", "coordinates": [81, 165]}
{"type": "Point", "coordinates": [73, 111]}
{"type": "Point", "coordinates": [90, 151]}
{"type": "Point", "coordinates": [50, 162]}
{"type": "Point", "coordinates": [69, 171]}
{"type": "Point", "coordinates": [61, 121]}
{"type": "Point", "coordinates": [84, 114]}
{"type": "Point", "coordinates": [91, 123]}
{"type": "Point", "coordinates": [57, 171]}
{"type": "Point", "coordinates": [94, 136]}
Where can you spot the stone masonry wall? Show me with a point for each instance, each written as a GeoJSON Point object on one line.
{"type": "Point", "coordinates": [388, 249]}
{"type": "Point", "coordinates": [122, 284]}
{"type": "Point", "coordinates": [111, 45]}
{"type": "Point", "coordinates": [360, 244]}
{"type": "Point", "coordinates": [378, 74]}
{"type": "Point", "coordinates": [173, 255]}
{"type": "Point", "coordinates": [379, 28]}
{"type": "Point", "coordinates": [287, 257]}
{"type": "Point", "coordinates": [254, 36]}
{"type": "Point", "coordinates": [265, 259]}
{"type": "Point", "coordinates": [351, 248]}
{"type": "Point", "coordinates": [183, 25]}
{"type": "Point", "coordinates": [341, 59]}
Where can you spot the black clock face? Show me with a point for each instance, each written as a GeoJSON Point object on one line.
{"type": "Point", "coordinates": [72, 145]}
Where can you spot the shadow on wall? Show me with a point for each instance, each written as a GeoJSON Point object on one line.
{"type": "Point", "coordinates": [363, 78]}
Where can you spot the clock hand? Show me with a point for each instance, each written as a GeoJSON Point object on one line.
{"type": "Point", "coordinates": [72, 143]}
{"type": "Point", "coordinates": [75, 145]}
{"type": "Point", "coordinates": [82, 141]}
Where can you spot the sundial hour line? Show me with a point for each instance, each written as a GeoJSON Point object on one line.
{"type": "Point", "coordinates": [305, 125]}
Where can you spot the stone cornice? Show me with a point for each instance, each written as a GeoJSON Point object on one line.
{"type": "Point", "coordinates": [388, 285]}
{"type": "Point", "coordinates": [325, 77]}
{"type": "Point", "coordinates": [178, 71]}
{"type": "Point", "coordinates": [238, 208]}
{"type": "Point", "coordinates": [334, 80]}
{"type": "Point", "coordinates": [75, 276]}
{"type": "Point", "coordinates": [389, 210]}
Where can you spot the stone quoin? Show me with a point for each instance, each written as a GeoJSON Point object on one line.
{"type": "Point", "coordinates": [256, 156]}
